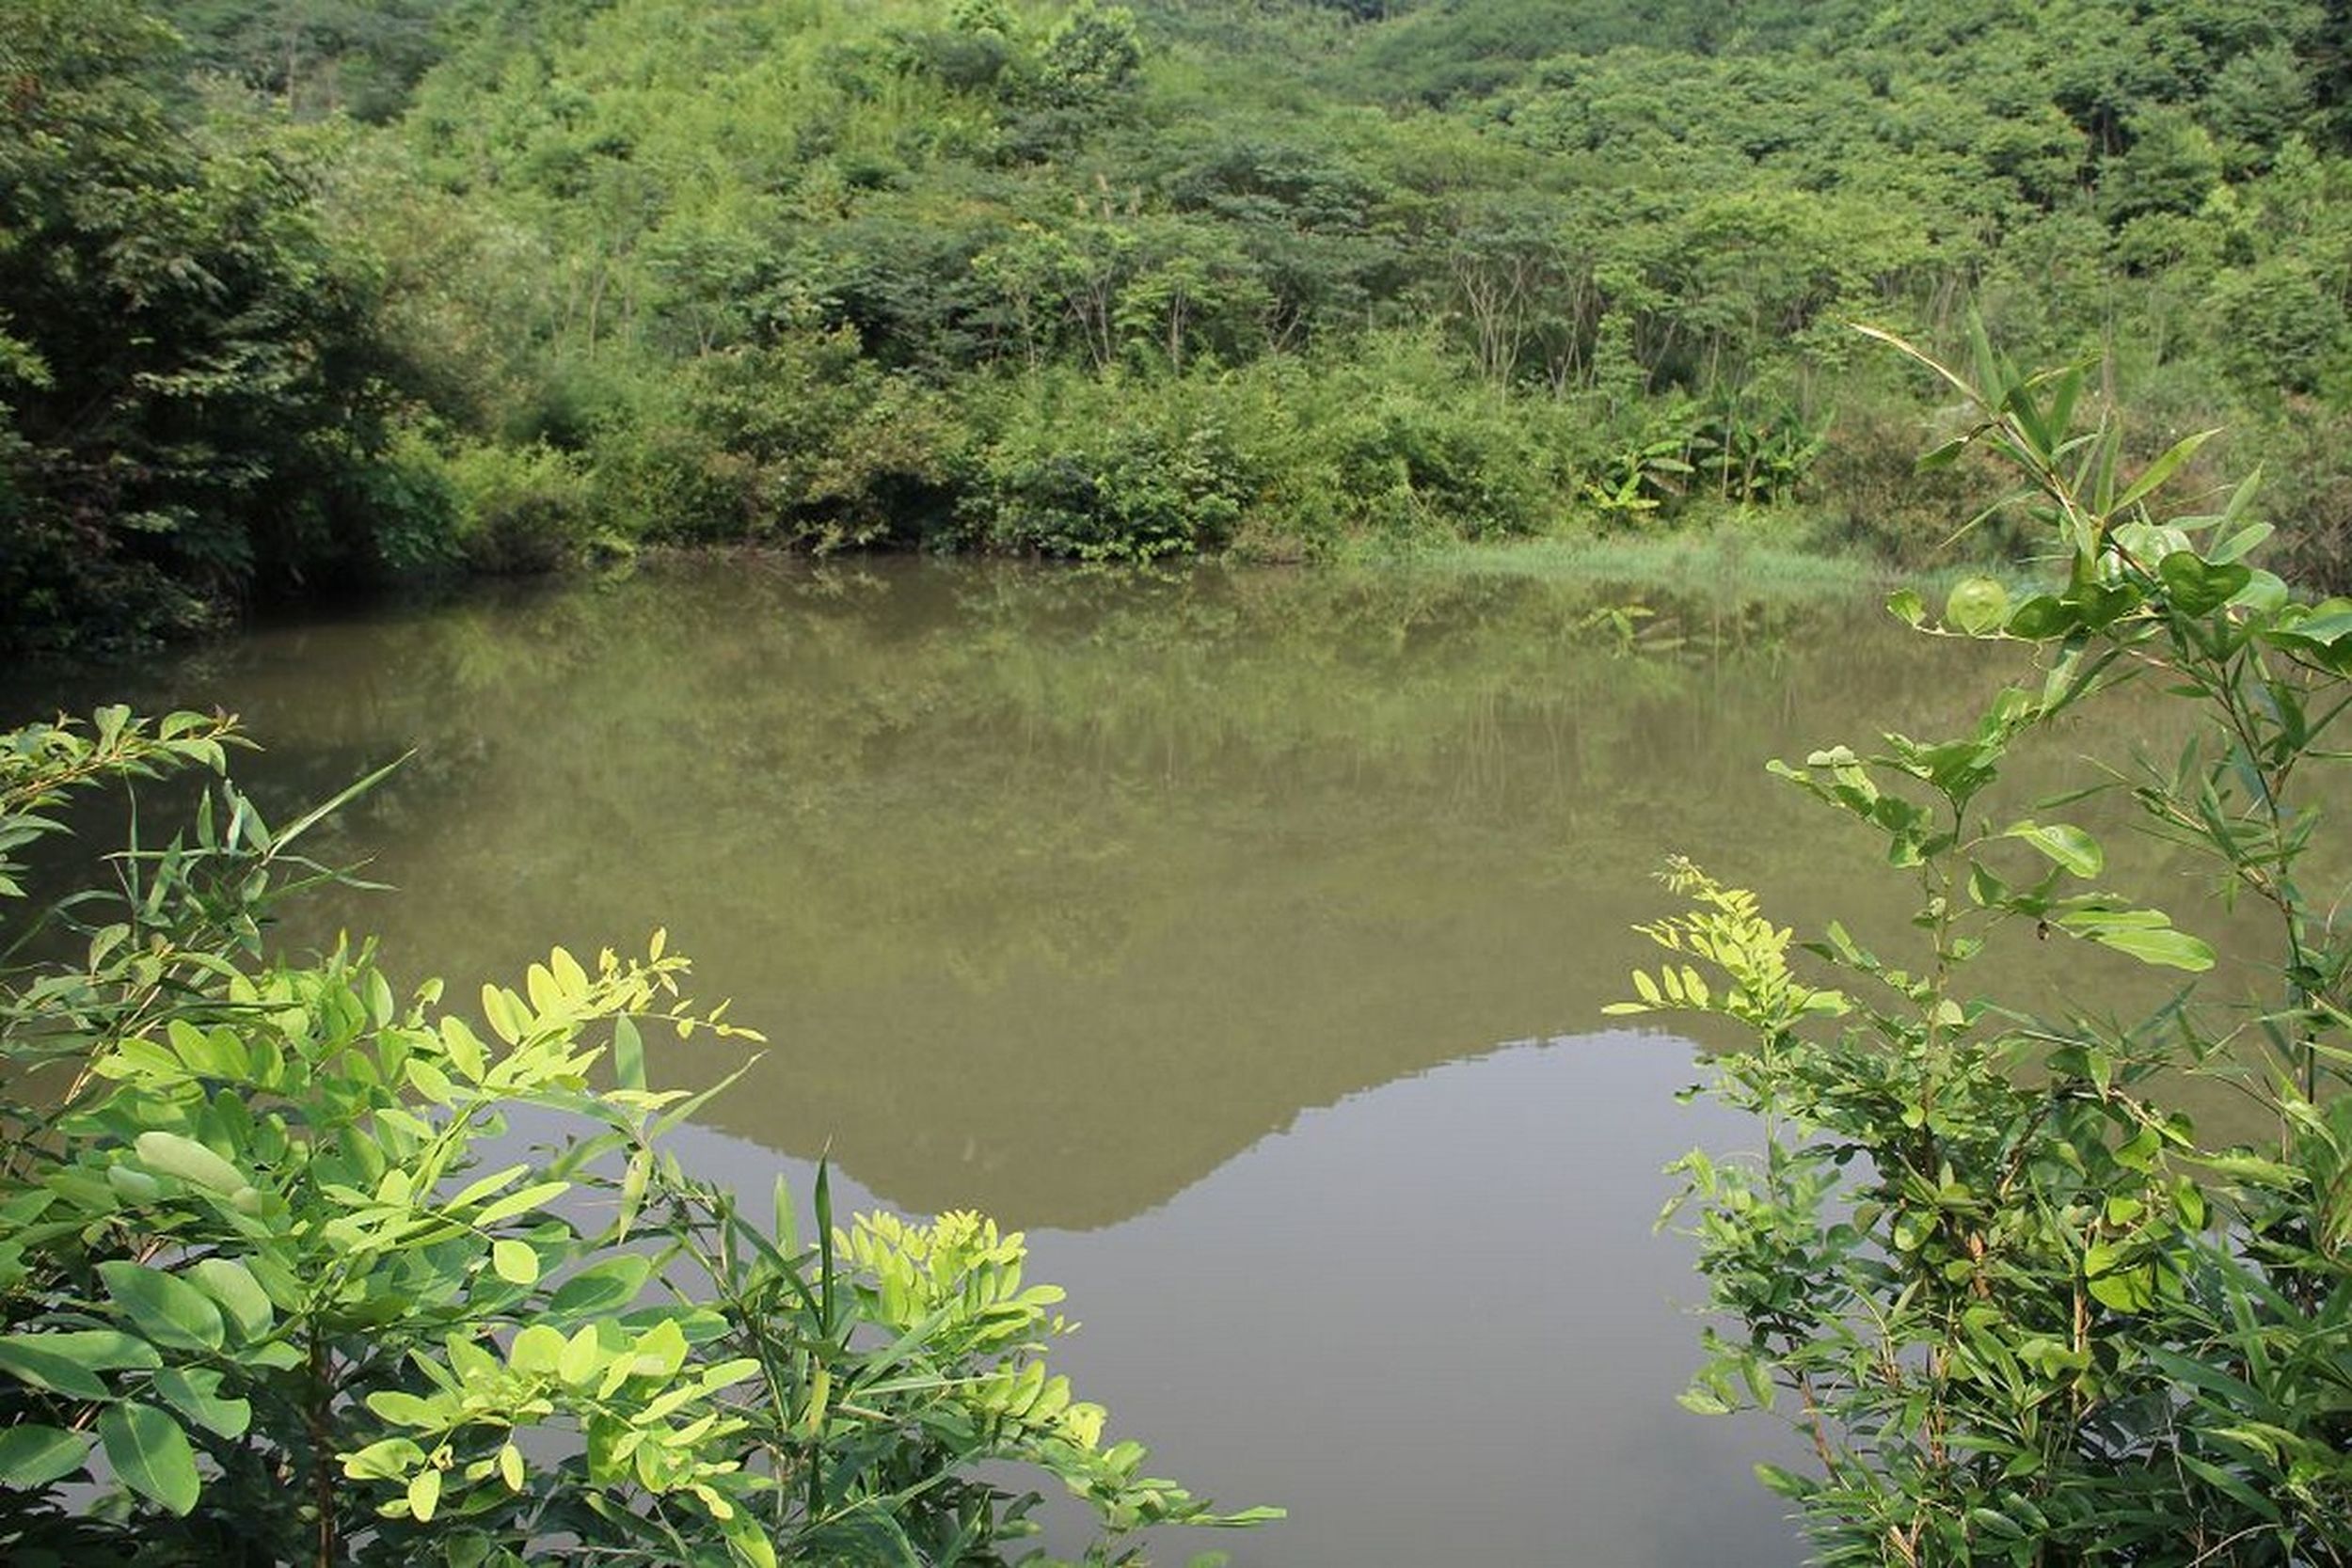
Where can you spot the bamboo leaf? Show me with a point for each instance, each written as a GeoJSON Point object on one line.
{"type": "Point", "coordinates": [518, 1202]}
{"type": "Point", "coordinates": [2162, 468]}
{"type": "Point", "coordinates": [629, 1053]}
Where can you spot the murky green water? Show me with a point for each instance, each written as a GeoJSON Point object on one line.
{"type": "Point", "coordinates": [1243, 935]}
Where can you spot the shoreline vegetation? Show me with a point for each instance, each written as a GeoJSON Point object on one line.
{"type": "Point", "coordinates": [295, 299]}
{"type": "Point", "coordinates": [2021, 1305]}
{"type": "Point", "coordinates": [1728, 564]}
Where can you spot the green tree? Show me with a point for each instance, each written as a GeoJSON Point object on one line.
{"type": "Point", "coordinates": [1090, 59]}
{"type": "Point", "coordinates": [316, 58]}
{"type": "Point", "coordinates": [191, 375]}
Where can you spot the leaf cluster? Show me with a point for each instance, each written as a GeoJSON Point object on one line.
{"type": "Point", "coordinates": [2020, 1307]}
{"type": "Point", "coordinates": [279, 1281]}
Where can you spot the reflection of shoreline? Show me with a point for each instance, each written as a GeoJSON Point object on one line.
{"type": "Point", "coordinates": [1471, 1242]}
{"type": "Point", "coordinates": [1057, 890]}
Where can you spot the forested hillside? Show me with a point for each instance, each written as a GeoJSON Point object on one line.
{"type": "Point", "coordinates": [301, 292]}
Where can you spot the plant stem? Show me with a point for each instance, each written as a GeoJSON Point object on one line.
{"type": "Point", "coordinates": [322, 1446]}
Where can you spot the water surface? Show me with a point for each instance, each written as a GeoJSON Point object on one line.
{"type": "Point", "coordinates": [1242, 935]}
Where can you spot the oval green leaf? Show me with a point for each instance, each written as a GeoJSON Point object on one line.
{"type": "Point", "coordinates": [150, 1455]}
{"type": "Point", "coordinates": [35, 1358]}
{"type": "Point", "coordinates": [2070, 846]}
{"type": "Point", "coordinates": [196, 1395]}
{"type": "Point", "coordinates": [2042, 617]}
{"type": "Point", "coordinates": [104, 1350]}
{"type": "Point", "coordinates": [515, 1261]}
{"type": "Point", "coordinates": [188, 1160]}
{"type": "Point", "coordinates": [1977, 606]}
{"type": "Point", "coordinates": [165, 1307]}
{"type": "Point", "coordinates": [33, 1456]}
{"type": "Point", "coordinates": [240, 1295]}
{"type": "Point", "coordinates": [2195, 587]}
{"type": "Point", "coordinates": [605, 1287]}
{"type": "Point", "coordinates": [2167, 947]}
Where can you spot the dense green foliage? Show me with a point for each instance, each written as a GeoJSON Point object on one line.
{"type": "Point", "coordinates": [182, 352]}
{"type": "Point", "coordinates": [2023, 1310]}
{"type": "Point", "coordinates": [505, 284]}
{"type": "Point", "coordinates": [280, 1281]}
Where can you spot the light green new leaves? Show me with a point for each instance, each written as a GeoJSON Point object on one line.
{"type": "Point", "coordinates": [521, 1202]}
{"type": "Point", "coordinates": [629, 1053]}
{"type": "Point", "coordinates": [405, 1409]}
{"type": "Point", "coordinates": [2000, 1213]}
{"type": "Point", "coordinates": [273, 1196]}
{"type": "Point", "coordinates": [182, 1157]}
{"type": "Point", "coordinates": [424, 1494]}
{"type": "Point", "coordinates": [515, 1261]}
{"type": "Point", "coordinates": [508, 1018]}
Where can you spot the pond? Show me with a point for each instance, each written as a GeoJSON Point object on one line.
{"type": "Point", "coordinates": [1243, 935]}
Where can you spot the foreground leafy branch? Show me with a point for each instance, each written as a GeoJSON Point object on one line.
{"type": "Point", "coordinates": [278, 1283]}
{"type": "Point", "coordinates": [2020, 1310]}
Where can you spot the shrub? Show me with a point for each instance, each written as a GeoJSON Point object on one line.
{"type": "Point", "coordinates": [798, 443]}
{"type": "Point", "coordinates": [519, 509]}
{"type": "Point", "coordinates": [2279, 326]}
{"type": "Point", "coordinates": [1412, 463]}
{"type": "Point", "coordinates": [2306, 453]}
{"type": "Point", "coordinates": [2024, 1312]}
{"type": "Point", "coordinates": [276, 1287]}
{"type": "Point", "coordinates": [412, 503]}
{"type": "Point", "coordinates": [1101, 471]}
{"type": "Point", "coordinates": [1422, 449]}
{"type": "Point", "coordinates": [660, 473]}
{"type": "Point", "coordinates": [1873, 496]}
